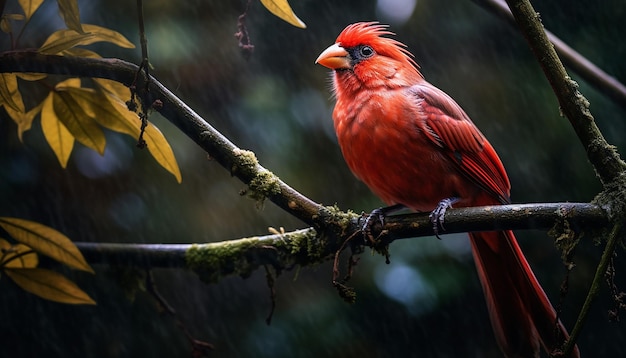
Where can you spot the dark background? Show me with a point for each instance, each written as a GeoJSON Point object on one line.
{"type": "Point", "coordinates": [427, 302]}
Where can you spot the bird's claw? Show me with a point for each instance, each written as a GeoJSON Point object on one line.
{"type": "Point", "coordinates": [370, 220]}
{"type": "Point", "coordinates": [377, 215]}
{"type": "Point", "coordinates": [437, 216]}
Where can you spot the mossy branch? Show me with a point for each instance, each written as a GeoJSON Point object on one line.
{"type": "Point", "coordinates": [305, 247]}
{"type": "Point", "coordinates": [614, 237]}
{"type": "Point", "coordinates": [609, 167]}
{"type": "Point", "coordinates": [604, 158]}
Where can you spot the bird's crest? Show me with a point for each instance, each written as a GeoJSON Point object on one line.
{"type": "Point", "coordinates": [371, 34]}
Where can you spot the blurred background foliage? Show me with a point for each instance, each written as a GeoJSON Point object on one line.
{"type": "Point", "coordinates": [427, 302]}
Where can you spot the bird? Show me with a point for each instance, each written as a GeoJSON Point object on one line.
{"type": "Point", "coordinates": [415, 147]}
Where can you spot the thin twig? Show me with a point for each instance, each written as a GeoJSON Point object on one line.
{"type": "Point", "coordinates": [614, 237]}
{"type": "Point", "coordinates": [271, 282]}
{"type": "Point", "coordinates": [145, 66]}
{"type": "Point", "coordinates": [572, 59]}
{"type": "Point", "coordinates": [199, 348]}
{"type": "Point", "coordinates": [616, 295]}
{"type": "Point", "coordinates": [242, 36]}
{"type": "Point", "coordinates": [604, 158]}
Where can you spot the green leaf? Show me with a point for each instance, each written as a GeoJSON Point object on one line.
{"type": "Point", "coordinates": [17, 256]}
{"type": "Point", "coordinates": [60, 139]}
{"type": "Point", "coordinates": [30, 6]}
{"type": "Point", "coordinates": [49, 285]}
{"type": "Point", "coordinates": [70, 14]}
{"type": "Point", "coordinates": [282, 9]}
{"type": "Point", "coordinates": [70, 109]}
{"type": "Point", "coordinates": [46, 241]}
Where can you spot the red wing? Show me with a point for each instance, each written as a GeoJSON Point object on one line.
{"type": "Point", "coordinates": [449, 127]}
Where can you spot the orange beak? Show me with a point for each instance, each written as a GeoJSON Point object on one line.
{"type": "Point", "coordinates": [335, 57]}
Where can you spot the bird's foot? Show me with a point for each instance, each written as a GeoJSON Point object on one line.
{"type": "Point", "coordinates": [376, 216]}
{"type": "Point", "coordinates": [437, 216]}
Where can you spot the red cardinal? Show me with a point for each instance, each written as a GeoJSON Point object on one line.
{"type": "Point", "coordinates": [414, 146]}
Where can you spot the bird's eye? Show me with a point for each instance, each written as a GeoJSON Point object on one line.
{"type": "Point", "coordinates": [366, 51]}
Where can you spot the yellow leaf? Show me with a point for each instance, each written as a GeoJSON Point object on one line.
{"type": "Point", "coordinates": [107, 35]}
{"type": "Point", "coordinates": [79, 52]}
{"type": "Point", "coordinates": [70, 82]}
{"type": "Point", "coordinates": [31, 76]}
{"type": "Point", "coordinates": [161, 151]}
{"type": "Point", "coordinates": [10, 95]}
{"type": "Point", "coordinates": [24, 120]}
{"type": "Point", "coordinates": [71, 110]}
{"type": "Point", "coordinates": [158, 146]}
{"type": "Point", "coordinates": [49, 285]}
{"type": "Point", "coordinates": [5, 25]}
{"type": "Point", "coordinates": [17, 256]}
{"type": "Point", "coordinates": [30, 6]}
{"type": "Point", "coordinates": [104, 113]}
{"type": "Point", "coordinates": [282, 9]}
{"type": "Point", "coordinates": [46, 241]}
{"type": "Point", "coordinates": [70, 14]}
{"type": "Point", "coordinates": [114, 88]}
{"type": "Point", "coordinates": [59, 138]}
{"type": "Point", "coordinates": [112, 113]}
{"type": "Point", "coordinates": [62, 40]}
{"type": "Point", "coordinates": [15, 17]}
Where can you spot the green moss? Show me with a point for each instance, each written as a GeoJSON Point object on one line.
{"type": "Point", "coordinates": [264, 184]}
{"type": "Point", "coordinates": [613, 200]}
{"type": "Point", "coordinates": [246, 160]}
{"type": "Point", "coordinates": [241, 257]}
{"type": "Point", "coordinates": [306, 245]}
{"type": "Point", "coordinates": [337, 217]}
{"type": "Point", "coordinates": [212, 261]}
{"type": "Point", "coordinates": [565, 239]}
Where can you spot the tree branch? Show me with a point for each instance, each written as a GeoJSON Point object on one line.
{"type": "Point", "coordinates": [609, 167]}
{"type": "Point", "coordinates": [304, 247]}
{"type": "Point", "coordinates": [283, 251]}
{"type": "Point", "coordinates": [240, 163]}
{"type": "Point", "coordinates": [604, 158]}
{"type": "Point", "coordinates": [572, 59]}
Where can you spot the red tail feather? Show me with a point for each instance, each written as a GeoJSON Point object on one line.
{"type": "Point", "coordinates": [521, 314]}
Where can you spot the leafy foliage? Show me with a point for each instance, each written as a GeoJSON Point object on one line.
{"type": "Point", "coordinates": [73, 110]}
{"type": "Point", "coordinates": [76, 110]}
{"type": "Point", "coordinates": [19, 261]}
